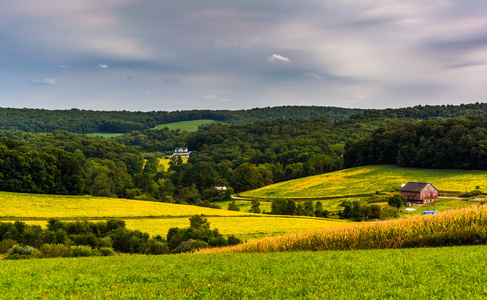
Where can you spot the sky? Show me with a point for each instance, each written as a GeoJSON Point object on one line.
{"type": "Point", "coordinates": [144, 55]}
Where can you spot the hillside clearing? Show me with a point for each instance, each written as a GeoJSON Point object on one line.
{"type": "Point", "coordinates": [190, 126]}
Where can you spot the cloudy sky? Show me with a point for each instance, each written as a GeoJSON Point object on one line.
{"type": "Point", "coordinates": [202, 54]}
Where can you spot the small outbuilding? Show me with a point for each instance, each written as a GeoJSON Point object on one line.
{"type": "Point", "coordinates": [417, 193]}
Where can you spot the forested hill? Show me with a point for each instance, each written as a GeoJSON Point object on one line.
{"type": "Point", "coordinates": [438, 144]}
{"type": "Point", "coordinates": [89, 121]}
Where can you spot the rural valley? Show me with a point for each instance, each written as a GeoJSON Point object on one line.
{"type": "Point", "coordinates": [265, 199]}
{"type": "Point", "coordinates": [252, 149]}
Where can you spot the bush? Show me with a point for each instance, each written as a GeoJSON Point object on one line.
{"type": "Point", "coordinates": [19, 252]}
{"type": "Point", "coordinates": [55, 250]}
{"type": "Point", "coordinates": [156, 247]}
{"type": "Point", "coordinates": [105, 242]}
{"type": "Point", "coordinates": [476, 192]}
{"type": "Point", "coordinates": [191, 245]}
{"type": "Point", "coordinates": [105, 251]}
{"type": "Point", "coordinates": [233, 240]}
{"type": "Point", "coordinates": [83, 251]}
{"type": "Point", "coordinates": [6, 245]}
{"type": "Point", "coordinates": [17, 249]}
{"type": "Point", "coordinates": [397, 201]}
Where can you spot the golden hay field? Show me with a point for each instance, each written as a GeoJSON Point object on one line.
{"type": "Point", "coordinates": [59, 206]}
{"type": "Point", "coordinates": [153, 217]}
{"type": "Point", "coordinates": [368, 180]}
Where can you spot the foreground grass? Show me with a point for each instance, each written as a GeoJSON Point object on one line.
{"type": "Point", "coordinates": [190, 126]}
{"type": "Point", "coordinates": [367, 180]}
{"type": "Point", "coordinates": [428, 273]}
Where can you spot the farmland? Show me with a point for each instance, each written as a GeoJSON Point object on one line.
{"type": "Point", "coordinates": [190, 126]}
{"type": "Point", "coordinates": [367, 180]}
{"type": "Point", "coordinates": [452, 228]}
{"type": "Point", "coordinates": [426, 273]}
{"type": "Point", "coordinates": [152, 217]}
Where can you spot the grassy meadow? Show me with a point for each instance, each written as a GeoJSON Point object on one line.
{"type": "Point", "coordinates": [190, 126]}
{"type": "Point", "coordinates": [367, 180]}
{"type": "Point", "coordinates": [424, 273]}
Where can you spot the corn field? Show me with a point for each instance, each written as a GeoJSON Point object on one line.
{"type": "Point", "coordinates": [451, 228]}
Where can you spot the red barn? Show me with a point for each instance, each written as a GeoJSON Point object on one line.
{"type": "Point", "coordinates": [419, 193]}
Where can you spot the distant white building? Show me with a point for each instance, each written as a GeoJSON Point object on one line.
{"type": "Point", "coordinates": [181, 152]}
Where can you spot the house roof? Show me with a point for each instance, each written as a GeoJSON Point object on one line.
{"type": "Point", "coordinates": [413, 186]}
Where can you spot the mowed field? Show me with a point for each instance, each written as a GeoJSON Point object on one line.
{"type": "Point", "coordinates": [367, 180]}
{"type": "Point", "coordinates": [423, 273]}
{"type": "Point", "coordinates": [190, 126]}
{"type": "Point", "coordinates": [153, 217]}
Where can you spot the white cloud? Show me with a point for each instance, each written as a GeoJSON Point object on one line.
{"type": "Point", "coordinates": [46, 81]}
{"type": "Point", "coordinates": [275, 57]}
{"type": "Point", "coordinates": [313, 75]}
{"type": "Point", "coordinates": [210, 96]}
{"type": "Point", "coordinates": [103, 66]}
{"type": "Point", "coordinates": [225, 100]}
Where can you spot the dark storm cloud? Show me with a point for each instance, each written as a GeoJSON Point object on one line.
{"type": "Point", "coordinates": [150, 55]}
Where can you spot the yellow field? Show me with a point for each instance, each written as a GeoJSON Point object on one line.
{"type": "Point", "coordinates": [152, 217]}
{"type": "Point", "coordinates": [367, 180]}
{"type": "Point", "coordinates": [55, 206]}
{"type": "Point", "coordinates": [165, 162]}
{"type": "Point", "coordinates": [246, 227]}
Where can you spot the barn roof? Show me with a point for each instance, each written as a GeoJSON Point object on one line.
{"type": "Point", "coordinates": [413, 186]}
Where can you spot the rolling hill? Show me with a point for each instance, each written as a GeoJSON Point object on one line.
{"type": "Point", "coordinates": [367, 180]}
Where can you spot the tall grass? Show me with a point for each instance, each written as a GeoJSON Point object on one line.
{"type": "Point", "coordinates": [451, 228]}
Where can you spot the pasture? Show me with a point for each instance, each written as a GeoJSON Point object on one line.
{"type": "Point", "coordinates": [190, 126]}
{"type": "Point", "coordinates": [367, 180]}
{"type": "Point", "coordinates": [423, 273]}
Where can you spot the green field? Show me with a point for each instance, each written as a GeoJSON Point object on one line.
{"type": "Point", "coordinates": [367, 180]}
{"type": "Point", "coordinates": [426, 273]}
{"type": "Point", "coordinates": [185, 125]}
{"type": "Point", "coordinates": [105, 135]}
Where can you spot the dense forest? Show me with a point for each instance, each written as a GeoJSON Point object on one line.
{"type": "Point", "coordinates": [240, 156]}
{"type": "Point", "coordinates": [437, 144]}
